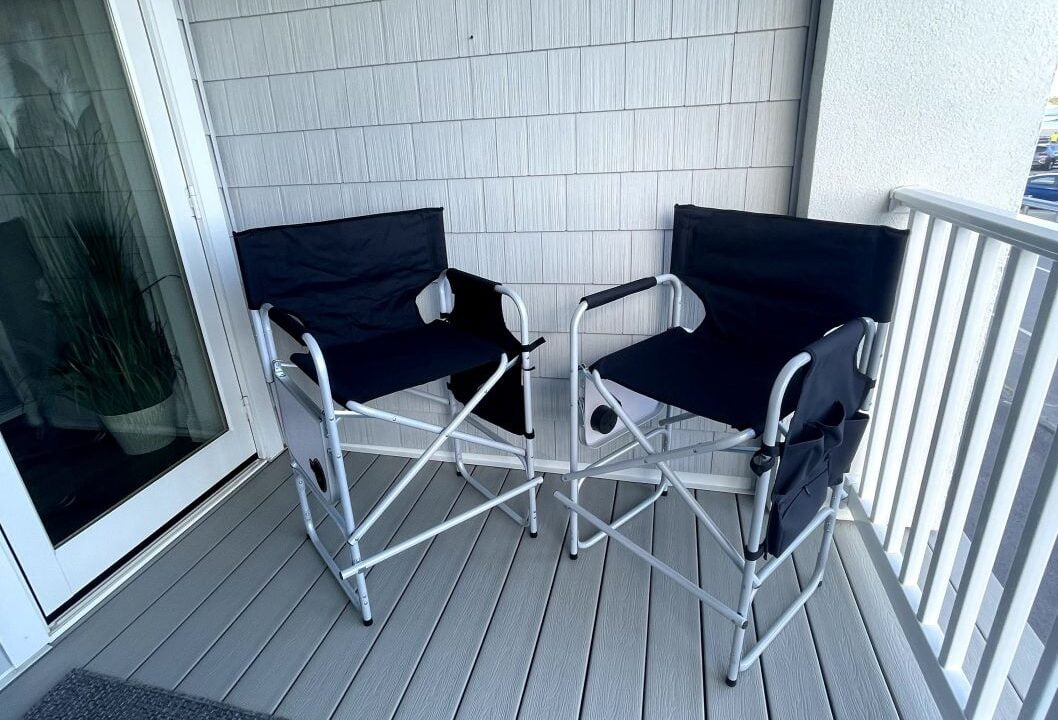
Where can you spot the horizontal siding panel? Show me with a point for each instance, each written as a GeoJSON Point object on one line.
{"type": "Point", "coordinates": [397, 93]}
{"type": "Point", "coordinates": [358, 34]}
{"type": "Point", "coordinates": [499, 204]}
{"type": "Point", "coordinates": [390, 152]}
{"type": "Point", "coordinates": [400, 30]}
{"type": "Point", "coordinates": [312, 41]}
{"type": "Point", "coordinates": [655, 73]}
{"type": "Point", "coordinates": [694, 17]}
{"type": "Point", "coordinates": [444, 89]}
{"type": "Point", "coordinates": [751, 74]}
{"type": "Point", "coordinates": [605, 141]}
{"type": "Point", "coordinates": [540, 203]}
{"type": "Point", "coordinates": [438, 150]}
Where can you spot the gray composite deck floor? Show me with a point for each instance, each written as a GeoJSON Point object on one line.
{"type": "Point", "coordinates": [483, 622]}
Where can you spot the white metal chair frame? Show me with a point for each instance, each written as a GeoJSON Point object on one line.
{"type": "Point", "coordinates": [746, 559]}
{"type": "Point", "coordinates": [356, 567]}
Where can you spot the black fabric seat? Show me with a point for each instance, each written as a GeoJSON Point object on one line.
{"type": "Point", "coordinates": [700, 373]}
{"type": "Point", "coordinates": [384, 364]}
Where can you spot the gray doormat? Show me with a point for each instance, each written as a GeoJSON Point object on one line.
{"type": "Point", "coordinates": [83, 695]}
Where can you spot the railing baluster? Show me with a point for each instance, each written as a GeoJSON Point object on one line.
{"type": "Point", "coordinates": [939, 240]}
{"type": "Point", "coordinates": [1043, 691]}
{"type": "Point", "coordinates": [926, 397]}
{"type": "Point", "coordinates": [958, 387]}
{"type": "Point", "coordinates": [1019, 593]}
{"type": "Point", "coordinates": [996, 360]}
{"type": "Point", "coordinates": [894, 357]}
{"type": "Point", "coordinates": [1040, 361]}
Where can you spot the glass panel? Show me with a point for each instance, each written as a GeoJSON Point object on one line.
{"type": "Point", "coordinates": [104, 380]}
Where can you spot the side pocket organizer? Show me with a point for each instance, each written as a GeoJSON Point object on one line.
{"type": "Point", "coordinates": [841, 456]}
{"type": "Point", "coordinates": [800, 488]}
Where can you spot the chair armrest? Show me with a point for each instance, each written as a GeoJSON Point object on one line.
{"type": "Point", "coordinates": [609, 295]}
{"type": "Point", "coordinates": [459, 277]}
{"type": "Point", "coordinates": [482, 310]}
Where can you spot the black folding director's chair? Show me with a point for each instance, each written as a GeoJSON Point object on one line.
{"type": "Point", "coordinates": [796, 313]}
{"type": "Point", "coordinates": [345, 291]}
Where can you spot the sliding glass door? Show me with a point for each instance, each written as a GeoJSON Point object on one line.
{"type": "Point", "coordinates": [119, 403]}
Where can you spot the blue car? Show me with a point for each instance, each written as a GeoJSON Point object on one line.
{"type": "Point", "coordinates": [1043, 187]}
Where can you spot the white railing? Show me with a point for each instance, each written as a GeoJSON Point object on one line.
{"type": "Point", "coordinates": [959, 313]}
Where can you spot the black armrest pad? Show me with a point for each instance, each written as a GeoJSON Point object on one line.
{"type": "Point", "coordinates": [458, 278]}
{"type": "Point", "coordinates": [288, 322]}
{"type": "Point", "coordinates": [616, 293]}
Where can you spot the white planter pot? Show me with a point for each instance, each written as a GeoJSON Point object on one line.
{"type": "Point", "coordinates": [146, 430]}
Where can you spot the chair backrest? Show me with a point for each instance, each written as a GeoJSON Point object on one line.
{"type": "Point", "coordinates": [776, 283]}
{"type": "Point", "coordinates": [347, 280]}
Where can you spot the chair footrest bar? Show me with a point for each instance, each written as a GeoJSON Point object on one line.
{"type": "Point", "coordinates": [650, 500]}
{"type": "Point", "coordinates": [473, 482]}
{"type": "Point", "coordinates": [653, 561]}
{"type": "Point", "coordinates": [762, 644]}
{"type": "Point", "coordinates": [438, 529]}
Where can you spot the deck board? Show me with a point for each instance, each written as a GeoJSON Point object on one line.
{"type": "Point", "coordinates": [323, 682]}
{"type": "Point", "coordinates": [793, 680]}
{"type": "Point", "coordinates": [498, 676]}
{"type": "Point", "coordinates": [482, 622]}
{"type": "Point", "coordinates": [382, 679]}
{"type": "Point", "coordinates": [747, 698]}
{"type": "Point", "coordinates": [675, 683]}
{"type": "Point", "coordinates": [615, 689]}
{"type": "Point", "coordinates": [229, 655]}
{"type": "Point", "coordinates": [556, 678]}
{"type": "Point", "coordinates": [437, 683]}
{"type": "Point", "coordinates": [851, 671]}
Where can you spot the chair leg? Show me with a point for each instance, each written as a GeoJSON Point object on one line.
{"type": "Point", "coordinates": [357, 595]}
{"type": "Point", "coordinates": [530, 442]}
{"type": "Point", "coordinates": [747, 591]}
{"type": "Point", "coordinates": [457, 446]}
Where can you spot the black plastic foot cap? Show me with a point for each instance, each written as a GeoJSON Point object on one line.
{"type": "Point", "coordinates": [367, 623]}
{"type": "Point", "coordinates": [533, 534]}
{"type": "Point", "coordinates": [731, 683]}
{"type": "Point", "coordinates": [573, 556]}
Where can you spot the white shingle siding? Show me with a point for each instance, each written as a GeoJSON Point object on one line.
{"type": "Point", "coordinates": [557, 135]}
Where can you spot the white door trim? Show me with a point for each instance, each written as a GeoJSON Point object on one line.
{"type": "Point", "coordinates": [177, 76]}
{"type": "Point", "coordinates": [168, 111]}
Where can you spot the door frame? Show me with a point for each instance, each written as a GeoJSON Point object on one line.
{"type": "Point", "coordinates": [164, 91]}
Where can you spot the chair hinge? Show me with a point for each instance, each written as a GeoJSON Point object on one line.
{"type": "Point", "coordinates": [763, 460]}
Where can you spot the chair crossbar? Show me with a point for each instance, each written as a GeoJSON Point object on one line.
{"type": "Point", "coordinates": [654, 458]}
{"type": "Point", "coordinates": [425, 535]}
{"type": "Point", "coordinates": [650, 500]}
{"type": "Point", "coordinates": [703, 517]}
{"type": "Point", "coordinates": [773, 564]}
{"type": "Point", "coordinates": [365, 411]}
{"type": "Point", "coordinates": [474, 483]}
{"type": "Point", "coordinates": [430, 450]}
{"type": "Point", "coordinates": [673, 419]}
{"type": "Point", "coordinates": [603, 462]}
{"type": "Point", "coordinates": [652, 560]}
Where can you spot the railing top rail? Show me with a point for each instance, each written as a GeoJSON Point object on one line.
{"type": "Point", "coordinates": [1038, 236]}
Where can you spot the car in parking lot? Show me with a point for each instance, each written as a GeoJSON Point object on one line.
{"type": "Point", "coordinates": [1043, 187]}
{"type": "Point", "coordinates": [1045, 157]}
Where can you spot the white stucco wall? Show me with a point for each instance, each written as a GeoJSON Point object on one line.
{"type": "Point", "coordinates": [948, 95]}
